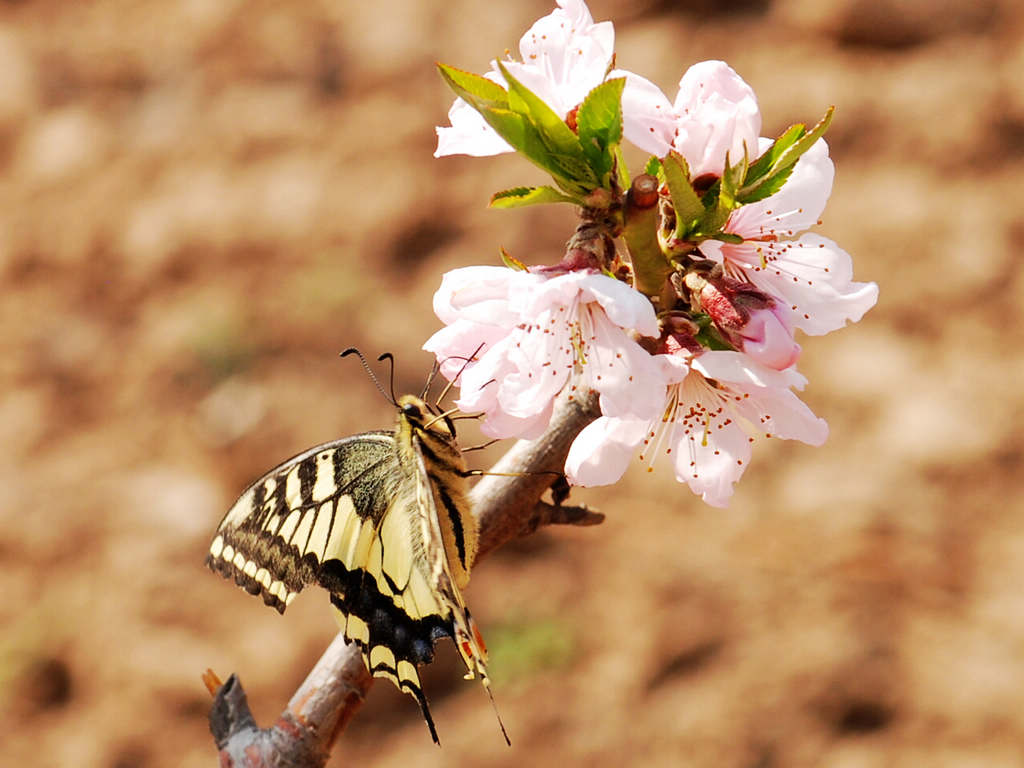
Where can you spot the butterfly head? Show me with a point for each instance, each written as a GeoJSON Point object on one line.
{"type": "Point", "coordinates": [421, 417]}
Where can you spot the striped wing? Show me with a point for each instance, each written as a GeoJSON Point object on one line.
{"type": "Point", "coordinates": [310, 509]}
{"type": "Point", "coordinates": [353, 518]}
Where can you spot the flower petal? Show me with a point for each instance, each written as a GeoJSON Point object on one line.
{"type": "Point", "coordinates": [565, 55]}
{"type": "Point", "coordinates": [768, 339]}
{"type": "Point", "coordinates": [648, 117]}
{"type": "Point", "coordinates": [480, 294]}
{"type": "Point", "coordinates": [601, 453]}
{"type": "Point", "coordinates": [469, 134]}
{"type": "Point", "coordinates": [627, 377]}
{"type": "Point", "coordinates": [625, 306]}
{"type": "Point", "coordinates": [780, 413]}
{"type": "Point", "coordinates": [716, 113]}
{"type": "Point", "coordinates": [458, 346]}
{"type": "Point", "coordinates": [711, 462]}
{"type": "Point", "coordinates": [810, 276]}
{"type": "Point", "coordinates": [794, 208]}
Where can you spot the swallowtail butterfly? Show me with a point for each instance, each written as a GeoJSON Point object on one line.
{"type": "Point", "coordinates": [381, 520]}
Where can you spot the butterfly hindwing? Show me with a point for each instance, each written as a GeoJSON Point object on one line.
{"type": "Point", "coordinates": [381, 521]}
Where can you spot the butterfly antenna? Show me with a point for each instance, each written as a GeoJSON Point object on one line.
{"type": "Point", "coordinates": [391, 376]}
{"type": "Point", "coordinates": [372, 375]}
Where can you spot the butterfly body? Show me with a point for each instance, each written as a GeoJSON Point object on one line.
{"type": "Point", "coordinates": [382, 521]}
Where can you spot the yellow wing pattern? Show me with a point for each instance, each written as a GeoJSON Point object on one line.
{"type": "Point", "coordinates": [381, 521]}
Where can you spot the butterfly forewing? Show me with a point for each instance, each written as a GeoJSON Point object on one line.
{"type": "Point", "coordinates": [313, 507]}
{"type": "Point", "coordinates": [381, 521]}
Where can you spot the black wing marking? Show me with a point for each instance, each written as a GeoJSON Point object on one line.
{"type": "Point", "coordinates": [311, 508]}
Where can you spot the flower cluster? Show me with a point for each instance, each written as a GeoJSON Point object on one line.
{"type": "Point", "coordinates": [679, 295]}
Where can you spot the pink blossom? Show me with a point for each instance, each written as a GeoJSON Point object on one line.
{"type": "Point", "coordinates": [810, 276]}
{"type": "Point", "coordinates": [750, 320]}
{"type": "Point", "coordinates": [534, 336]}
{"type": "Point", "coordinates": [564, 56]}
{"type": "Point", "coordinates": [715, 112]}
{"type": "Point", "coordinates": [768, 339]}
{"type": "Point", "coordinates": [717, 404]}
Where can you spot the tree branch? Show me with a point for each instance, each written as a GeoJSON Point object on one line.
{"type": "Point", "coordinates": [507, 505]}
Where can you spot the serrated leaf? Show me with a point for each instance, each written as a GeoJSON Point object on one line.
{"type": "Point", "coordinates": [520, 197]}
{"type": "Point", "coordinates": [783, 160]}
{"type": "Point", "coordinates": [770, 156]}
{"type": "Point", "coordinates": [724, 202]}
{"type": "Point", "coordinates": [621, 169]}
{"type": "Point", "coordinates": [519, 130]}
{"type": "Point", "coordinates": [475, 89]}
{"type": "Point", "coordinates": [599, 125]}
{"type": "Point", "coordinates": [767, 186]}
{"type": "Point", "coordinates": [521, 134]}
{"type": "Point", "coordinates": [653, 167]}
{"type": "Point", "coordinates": [688, 206]}
{"type": "Point", "coordinates": [562, 144]}
{"type": "Point", "coordinates": [732, 177]}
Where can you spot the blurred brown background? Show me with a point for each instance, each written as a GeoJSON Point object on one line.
{"type": "Point", "coordinates": [203, 202]}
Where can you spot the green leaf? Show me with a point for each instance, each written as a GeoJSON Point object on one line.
{"type": "Point", "coordinates": [732, 177]}
{"type": "Point", "coordinates": [725, 202]}
{"type": "Point", "coordinates": [492, 102]}
{"type": "Point", "coordinates": [475, 89]}
{"type": "Point", "coordinates": [599, 125]}
{"type": "Point", "coordinates": [564, 149]}
{"type": "Point", "coordinates": [525, 139]}
{"type": "Point", "coordinates": [688, 206]}
{"type": "Point", "coordinates": [653, 167]}
{"type": "Point", "coordinates": [621, 169]}
{"type": "Point", "coordinates": [511, 261]}
{"type": "Point", "coordinates": [764, 163]}
{"type": "Point", "coordinates": [782, 156]}
{"type": "Point", "coordinates": [520, 197]}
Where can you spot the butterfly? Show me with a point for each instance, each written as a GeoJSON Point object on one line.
{"type": "Point", "coordinates": [382, 521]}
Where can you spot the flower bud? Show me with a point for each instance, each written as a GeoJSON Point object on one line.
{"type": "Point", "coordinates": [749, 320]}
{"type": "Point", "coordinates": [769, 340]}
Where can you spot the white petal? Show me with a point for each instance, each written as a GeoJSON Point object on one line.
{"type": "Point", "coordinates": [500, 425]}
{"type": "Point", "coordinates": [531, 297]}
{"type": "Point", "coordinates": [648, 117]}
{"type": "Point", "coordinates": [716, 113]}
{"type": "Point", "coordinates": [780, 413]}
{"type": "Point", "coordinates": [736, 368]}
{"type": "Point", "coordinates": [811, 277]}
{"type": "Point", "coordinates": [564, 55]}
{"type": "Point", "coordinates": [477, 293]}
{"type": "Point", "coordinates": [794, 208]}
{"type": "Point", "coordinates": [543, 357]}
{"type": "Point", "coordinates": [627, 377]}
{"type": "Point", "coordinates": [710, 462]}
{"type": "Point", "coordinates": [601, 453]}
{"type": "Point", "coordinates": [626, 307]}
{"type": "Point", "coordinates": [469, 134]}
{"type": "Point", "coordinates": [454, 344]}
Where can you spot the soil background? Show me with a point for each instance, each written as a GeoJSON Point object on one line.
{"type": "Point", "coordinates": [203, 202]}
